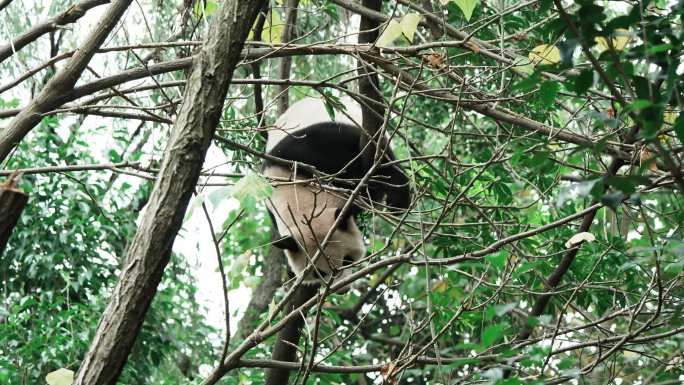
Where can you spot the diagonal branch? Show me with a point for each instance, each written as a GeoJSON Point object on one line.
{"type": "Point", "coordinates": [52, 96]}
{"type": "Point", "coordinates": [4, 3]}
{"type": "Point", "coordinates": [71, 15]}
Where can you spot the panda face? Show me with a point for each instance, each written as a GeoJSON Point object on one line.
{"type": "Point", "coordinates": [344, 247]}
{"type": "Point", "coordinates": [304, 215]}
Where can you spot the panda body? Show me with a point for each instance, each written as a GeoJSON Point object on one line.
{"type": "Point", "coordinates": [304, 213]}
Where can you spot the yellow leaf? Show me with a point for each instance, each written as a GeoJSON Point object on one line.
{"type": "Point", "coordinates": [409, 25]}
{"type": "Point", "coordinates": [60, 377]}
{"type": "Point", "coordinates": [620, 39]}
{"type": "Point", "coordinates": [670, 117]}
{"type": "Point", "coordinates": [273, 28]}
{"type": "Point", "coordinates": [545, 54]}
{"type": "Point", "coordinates": [440, 286]}
{"type": "Point", "coordinates": [390, 34]}
{"type": "Point", "coordinates": [579, 238]}
{"type": "Point", "coordinates": [272, 307]}
{"type": "Point", "coordinates": [205, 8]}
{"type": "Point", "coordinates": [467, 7]}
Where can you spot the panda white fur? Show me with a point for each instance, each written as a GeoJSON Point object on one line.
{"type": "Point", "coordinates": [304, 213]}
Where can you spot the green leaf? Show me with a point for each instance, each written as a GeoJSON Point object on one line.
{"type": "Point", "coordinates": [330, 109]}
{"type": "Point", "coordinates": [544, 5]}
{"type": "Point", "coordinates": [252, 187]}
{"type": "Point", "coordinates": [498, 260]}
{"type": "Point", "coordinates": [467, 7]}
{"type": "Point", "coordinates": [547, 93]}
{"type": "Point", "coordinates": [584, 81]}
{"type": "Point", "coordinates": [491, 334]}
{"type": "Point", "coordinates": [627, 184]}
{"type": "Point", "coordinates": [210, 7]}
{"type": "Point", "coordinates": [523, 66]}
{"type": "Point", "coordinates": [332, 103]}
{"type": "Point", "coordinates": [527, 84]}
{"type": "Point", "coordinates": [545, 54]}
{"type": "Point", "coordinates": [272, 29]}
{"type": "Point", "coordinates": [643, 87]}
{"type": "Point", "coordinates": [639, 105]}
{"type": "Point", "coordinates": [659, 48]}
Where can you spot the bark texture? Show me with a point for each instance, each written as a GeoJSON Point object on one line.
{"type": "Point", "coordinates": [12, 203]}
{"type": "Point", "coordinates": [52, 95]}
{"type": "Point", "coordinates": [151, 247]}
{"type": "Point", "coordinates": [289, 34]}
{"type": "Point", "coordinates": [369, 84]}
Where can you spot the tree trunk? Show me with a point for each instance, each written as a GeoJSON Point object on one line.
{"type": "Point", "coordinates": [289, 34]}
{"type": "Point", "coordinates": [285, 348]}
{"type": "Point", "coordinates": [372, 115]}
{"type": "Point", "coordinates": [12, 203]}
{"type": "Point", "coordinates": [150, 249]}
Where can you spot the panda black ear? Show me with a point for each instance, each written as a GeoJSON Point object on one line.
{"type": "Point", "coordinates": [352, 211]}
{"type": "Point", "coordinates": [287, 243]}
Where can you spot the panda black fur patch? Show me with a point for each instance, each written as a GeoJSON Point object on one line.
{"type": "Point", "coordinates": [334, 148]}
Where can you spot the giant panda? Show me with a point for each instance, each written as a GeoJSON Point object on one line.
{"type": "Point", "coordinates": [304, 213]}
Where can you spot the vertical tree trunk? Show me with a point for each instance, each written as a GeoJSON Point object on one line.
{"type": "Point", "coordinates": [12, 203]}
{"type": "Point", "coordinates": [369, 84]}
{"type": "Point", "coordinates": [289, 34]}
{"type": "Point", "coordinates": [151, 247]}
{"type": "Point", "coordinates": [256, 72]}
{"type": "Point", "coordinates": [285, 348]}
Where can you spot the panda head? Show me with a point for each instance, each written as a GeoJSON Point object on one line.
{"type": "Point", "coordinates": [304, 232]}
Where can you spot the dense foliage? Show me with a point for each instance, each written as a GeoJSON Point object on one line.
{"type": "Point", "coordinates": [543, 140]}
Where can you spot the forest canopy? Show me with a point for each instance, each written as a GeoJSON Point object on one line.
{"type": "Point", "coordinates": [543, 141]}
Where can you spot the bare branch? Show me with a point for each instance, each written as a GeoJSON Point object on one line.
{"type": "Point", "coordinates": [71, 15]}
{"type": "Point", "coordinates": [51, 96]}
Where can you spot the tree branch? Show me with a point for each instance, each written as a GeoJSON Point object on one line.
{"type": "Point", "coordinates": [52, 95]}
{"type": "Point", "coordinates": [285, 347]}
{"type": "Point", "coordinates": [71, 15]}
